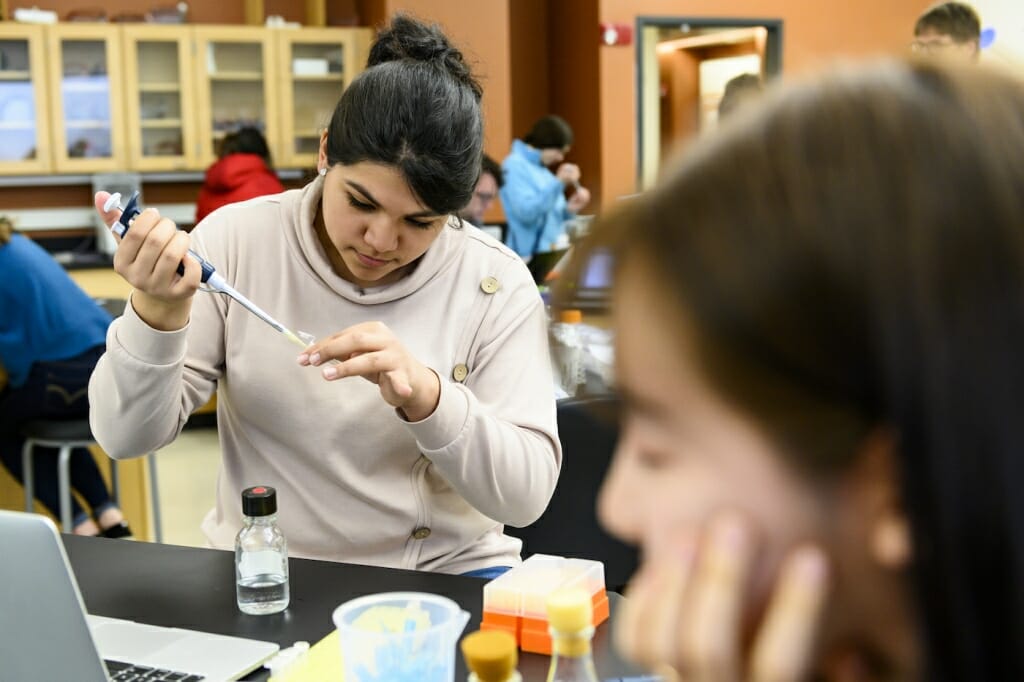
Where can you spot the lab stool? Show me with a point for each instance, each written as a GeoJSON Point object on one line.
{"type": "Point", "coordinates": [65, 435]}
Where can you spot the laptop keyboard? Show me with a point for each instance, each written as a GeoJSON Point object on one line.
{"type": "Point", "coordinates": [126, 672]}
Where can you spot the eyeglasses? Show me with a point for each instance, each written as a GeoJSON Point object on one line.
{"type": "Point", "coordinates": [932, 46]}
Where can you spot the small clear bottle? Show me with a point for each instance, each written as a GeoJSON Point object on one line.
{"type": "Point", "coordinates": [491, 656]}
{"type": "Point", "coordinates": [261, 555]}
{"type": "Point", "coordinates": [570, 617]}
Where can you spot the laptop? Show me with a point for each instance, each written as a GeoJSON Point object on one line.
{"type": "Point", "coordinates": [542, 265]}
{"type": "Point", "coordinates": [592, 292]}
{"type": "Point", "coordinates": [45, 633]}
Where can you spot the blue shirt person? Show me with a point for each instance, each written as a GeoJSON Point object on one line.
{"type": "Point", "coordinates": [44, 315]}
{"type": "Point", "coordinates": [51, 335]}
{"type": "Point", "coordinates": [533, 197]}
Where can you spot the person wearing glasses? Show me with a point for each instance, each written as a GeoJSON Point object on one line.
{"type": "Point", "coordinates": [949, 30]}
{"type": "Point", "coordinates": [491, 180]}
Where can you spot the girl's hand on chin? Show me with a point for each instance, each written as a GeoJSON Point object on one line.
{"type": "Point", "coordinates": [683, 614]}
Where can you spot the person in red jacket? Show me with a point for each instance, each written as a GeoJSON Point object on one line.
{"type": "Point", "coordinates": [243, 171]}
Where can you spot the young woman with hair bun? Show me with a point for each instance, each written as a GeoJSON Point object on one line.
{"type": "Point", "coordinates": [422, 419]}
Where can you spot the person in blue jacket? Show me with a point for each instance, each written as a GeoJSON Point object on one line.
{"type": "Point", "coordinates": [51, 335]}
{"type": "Point", "coordinates": [533, 197]}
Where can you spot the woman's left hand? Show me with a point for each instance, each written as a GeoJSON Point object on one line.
{"type": "Point", "coordinates": [371, 350]}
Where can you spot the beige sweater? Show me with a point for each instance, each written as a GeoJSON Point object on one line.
{"type": "Point", "coordinates": [355, 482]}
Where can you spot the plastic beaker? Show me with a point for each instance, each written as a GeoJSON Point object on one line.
{"type": "Point", "coordinates": [399, 636]}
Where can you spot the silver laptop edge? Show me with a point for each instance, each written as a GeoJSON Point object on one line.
{"type": "Point", "coordinates": [45, 633]}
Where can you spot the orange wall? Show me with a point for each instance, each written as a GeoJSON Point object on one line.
{"type": "Point", "coordinates": [371, 12]}
{"type": "Point", "coordinates": [813, 33]}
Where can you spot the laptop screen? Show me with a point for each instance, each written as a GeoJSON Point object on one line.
{"type": "Point", "coordinates": [545, 266]}
{"type": "Point", "coordinates": [594, 287]}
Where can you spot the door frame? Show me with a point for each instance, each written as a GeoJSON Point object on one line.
{"type": "Point", "coordinates": [772, 57]}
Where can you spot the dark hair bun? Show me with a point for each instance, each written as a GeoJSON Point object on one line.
{"type": "Point", "coordinates": [406, 38]}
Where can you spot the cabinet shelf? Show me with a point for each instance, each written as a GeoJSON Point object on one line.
{"type": "Point", "coordinates": [78, 86]}
{"type": "Point", "coordinates": [161, 98]}
{"type": "Point", "coordinates": [320, 78]}
{"type": "Point", "coordinates": [161, 123]}
{"type": "Point", "coordinates": [159, 87]}
{"type": "Point", "coordinates": [86, 125]}
{"type": "Point", "coordinates": [249, 76]}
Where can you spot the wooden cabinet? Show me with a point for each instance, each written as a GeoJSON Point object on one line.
{"type": "Point", "coordinates": [86, 82]}
{"type": "Point", "coordinates": [236, 86]}
{"type": "Point", "coordinates": [314, 67]}
{"type": "Point", "coordinates": [95, 98]}
{"type": "Point", "coordinates": [160, 97]}
{"type": "Point", "coordinates": [24, 111]}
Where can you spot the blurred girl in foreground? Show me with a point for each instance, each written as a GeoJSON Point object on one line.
{"type": "Point", "coordinates": [819, 317]}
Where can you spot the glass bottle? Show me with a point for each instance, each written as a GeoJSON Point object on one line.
{"type": "Point", "coordinates": [570, 617]}
{"type": "Point", "coordinates": [261, 555]}
{"type": "Point", "coordinates": [491, 656]}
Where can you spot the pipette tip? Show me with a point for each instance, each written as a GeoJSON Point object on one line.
{"type": "Point", "coordinates": [295, 339]}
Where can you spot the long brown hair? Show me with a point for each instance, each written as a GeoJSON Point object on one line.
{"type": "Point", "coordinates": [851, 255]}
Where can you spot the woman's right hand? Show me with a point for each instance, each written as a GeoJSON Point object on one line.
{"type": "Point", "coordinates": [147, 257]}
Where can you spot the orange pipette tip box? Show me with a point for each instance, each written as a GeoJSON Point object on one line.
{"type": "Point", "coordinates": [516, 601]}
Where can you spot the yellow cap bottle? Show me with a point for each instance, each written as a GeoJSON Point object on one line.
{"type": "Point", "coordinates": [491, 656]}
{"type": "Point", "coordinates": [570, 617]}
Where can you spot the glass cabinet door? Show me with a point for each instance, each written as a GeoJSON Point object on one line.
{"type": "Point", "coordinates": [160, 98]}
{"type": "Point", "coordinates": [315, 66]}
{"type": "Point", "coordinates": [86, 86]}
{"type": "Point", "coordinates": [24, 128]}
{"type": "Point", "coordinates": [236, 86]}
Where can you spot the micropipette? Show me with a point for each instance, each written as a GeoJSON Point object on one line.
{"type": "Point", "coordinates": [214, 282]}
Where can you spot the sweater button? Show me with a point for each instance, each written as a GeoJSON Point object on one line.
{"type": "Point", "coordinates": [489, 285]}
{"type": "Point", "coordinates": [421, 533]}
{"type": "Point", "coordinates": [460, 372]}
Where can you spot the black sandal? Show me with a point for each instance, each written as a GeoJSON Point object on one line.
{"type": "Point", "coordinates": [119, 530]}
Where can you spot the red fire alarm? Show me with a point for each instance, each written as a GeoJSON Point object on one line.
{"type": "Point", "coordinates": [616, 34]}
